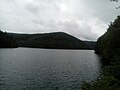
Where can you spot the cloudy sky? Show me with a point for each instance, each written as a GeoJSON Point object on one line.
{"type": "Point", "coordinates": [85, 19]}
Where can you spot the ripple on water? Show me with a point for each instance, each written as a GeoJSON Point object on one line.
{"type": "Point", "coordinates": [43, 69]}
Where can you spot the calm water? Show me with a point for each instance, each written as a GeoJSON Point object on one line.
{"type": "Point", "coordinates": [44, 69]}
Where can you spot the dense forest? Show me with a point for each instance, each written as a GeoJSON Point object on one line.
{"type": "Point", "coordinates": [7, 41]}
{"type": "Point", "coordinates": [55, 40]}
{"type": "Point", "coordinates": [108, 46]}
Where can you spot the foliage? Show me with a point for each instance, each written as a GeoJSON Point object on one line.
{"type": "Point", "coordinates": [108, 46]}
{"type": "Point", "coordinates": [7, 41]}
{"type": "Point", "coordinates": [90, 44]}
{"type": "Point", "coordinates": [56, 40]}
{"type": "Point", "coordinates": [114, 0]}
{"type": "Point", "coordinates": [109, 43]}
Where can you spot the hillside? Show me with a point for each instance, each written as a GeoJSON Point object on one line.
{"type": "Point", "coordinates": [90, 44]}
{"type": "Point", "coordinates": [56, 40]}
{"type": "Point", "coordinates": [7, 41]}
{"type": "Point", "coordinates": [108, 46]}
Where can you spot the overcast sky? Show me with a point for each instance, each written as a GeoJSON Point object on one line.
{"type": "Point", "coordinates": [85, 19]}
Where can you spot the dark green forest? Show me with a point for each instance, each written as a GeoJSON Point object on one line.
{"type": "Point", "coordinates": [108, 46]}
{"type": "Point", "coordinates": [55, 40]}
{"type": "Point", "coordinates": [7, 41]}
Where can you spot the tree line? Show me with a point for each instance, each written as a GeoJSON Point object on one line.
{"type": "Point", "coordinates": [108, 46]}
{"type": "Point", "coordinates": [7, 41]}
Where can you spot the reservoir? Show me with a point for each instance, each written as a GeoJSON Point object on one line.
{"type": "Point", "coordinates": [47, 69]}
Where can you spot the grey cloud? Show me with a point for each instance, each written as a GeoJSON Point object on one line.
{"type": "Point", "coordinates": [42, 7]}
{"type": "Point", "coordinates": [82, 18]}
{"type": "Point", "coordinates": [33, 8]}
{"type": "Point", "coordinates": [82, 31]}
{"type": "Point", "coordinates": [104, 9]}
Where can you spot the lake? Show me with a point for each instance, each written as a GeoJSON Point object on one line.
{"type": "Point", "coordinates": [47, 69]}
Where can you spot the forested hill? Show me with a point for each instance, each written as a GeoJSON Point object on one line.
{"type": "Point", "coordinates": [55, 40]}
{"type": "Point", "coordinates": [108, 46]}
{"type": "Point", "coordinates": [7, 41]}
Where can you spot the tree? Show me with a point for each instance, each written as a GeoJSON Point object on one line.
{"type": "Point", "coordinates": [6, 40]}
{"type": "Point", "coordinates": [116, 1]}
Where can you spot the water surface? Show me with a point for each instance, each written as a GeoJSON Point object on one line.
{"type": "Point", "coordinates": [45, 69]}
